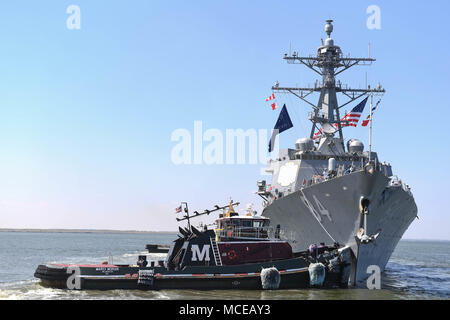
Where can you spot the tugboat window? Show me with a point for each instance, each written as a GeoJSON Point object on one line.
{"type": "Point", "coordinates": [246, 223]}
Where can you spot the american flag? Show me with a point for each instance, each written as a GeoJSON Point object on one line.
{"type": "Point", "coordinates": [272, 97]}
{"type": "Point", "coordinates": [178, 210]}
{"type": "Point", "coordinates": [366, 122]}
{"type": "Point", "coordinates": [353, 116]}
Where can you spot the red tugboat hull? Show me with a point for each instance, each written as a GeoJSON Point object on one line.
{"type": "Point", "coordinates": [234, 253]}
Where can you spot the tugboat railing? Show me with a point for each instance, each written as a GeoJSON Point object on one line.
{"type": "Point", "coordinates": [247, 233]}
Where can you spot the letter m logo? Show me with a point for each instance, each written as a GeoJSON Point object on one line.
{"type": "Point", "coordinates": [198, 255]}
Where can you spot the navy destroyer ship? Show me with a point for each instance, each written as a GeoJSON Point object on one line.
{"type": "Point", "coordinates": [329, 188]}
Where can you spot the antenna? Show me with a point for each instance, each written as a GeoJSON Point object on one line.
{"type": "Point", "coordinates": [328, 63]}
{"type": "Point", "coordinates": [186, 217]}
{"type": "Point", "coordinates": [370, 128]}
{"type": "Point", "coordinates": [366, 80]}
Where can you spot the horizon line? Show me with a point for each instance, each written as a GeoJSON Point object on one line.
{"type": "Point", "coordinates": [68, 230]}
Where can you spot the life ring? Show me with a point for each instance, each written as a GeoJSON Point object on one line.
{"type": "Point", "coordinates": [232, 254]}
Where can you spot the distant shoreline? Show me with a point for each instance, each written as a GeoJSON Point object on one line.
{"type": "Point", "coordinates": [104, 231]}
{"type": "Point", "coordinates": [84, 231]}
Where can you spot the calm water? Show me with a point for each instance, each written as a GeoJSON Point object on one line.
{"type": "Point", "coordinates": [417, 269]}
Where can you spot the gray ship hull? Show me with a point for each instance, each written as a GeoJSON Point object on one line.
{"type": "Point", "coordinates": [330, 211]}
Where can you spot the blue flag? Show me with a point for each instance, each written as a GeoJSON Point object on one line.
{"type": "Point", "coordinates": [283, 123]}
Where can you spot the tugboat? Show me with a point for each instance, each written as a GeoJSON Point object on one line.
{"type": "Point", "coordinates": [241, 252]}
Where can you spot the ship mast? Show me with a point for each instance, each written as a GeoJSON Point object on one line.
{"type": "Point", "coordinates": [328, 63]}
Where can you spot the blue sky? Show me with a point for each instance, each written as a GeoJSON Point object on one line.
{"type": "Point", "coordinates": [86, 116]}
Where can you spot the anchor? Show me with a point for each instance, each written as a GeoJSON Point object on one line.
{"type": "Point", "coordinates": [362, 235]}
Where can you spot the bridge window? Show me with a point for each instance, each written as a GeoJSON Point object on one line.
{"type": "Point", "coordinates": [246, 223]}
{"type": "Point", "coordinates": [257, 224]}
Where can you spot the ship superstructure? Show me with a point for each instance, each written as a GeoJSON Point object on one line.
{"type": "Point", "coordinates": [324, 188]}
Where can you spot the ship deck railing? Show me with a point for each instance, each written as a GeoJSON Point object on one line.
{"type": "Point", "coordinates": [342, 170]}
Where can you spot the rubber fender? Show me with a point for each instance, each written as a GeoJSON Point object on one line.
{"type": "Point", "coordinates": [316, 274]}
{"type": "Point", "coordinates": [270, 278]}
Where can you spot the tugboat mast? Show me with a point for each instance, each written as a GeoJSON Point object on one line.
{"type": "Point", "coordinates": [328, 63]}
{"type": "Point", "coordinates": [206, 211]}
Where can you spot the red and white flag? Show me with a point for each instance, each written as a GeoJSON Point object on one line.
{"type": "Point", "coordinates": [272, 97]}
{"type": "Point", "coordinates": [318, 134]}
{"type": "Point", "coordinates": [366, 122]}
{"type": "Point", "coordinates": [274, 106]}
